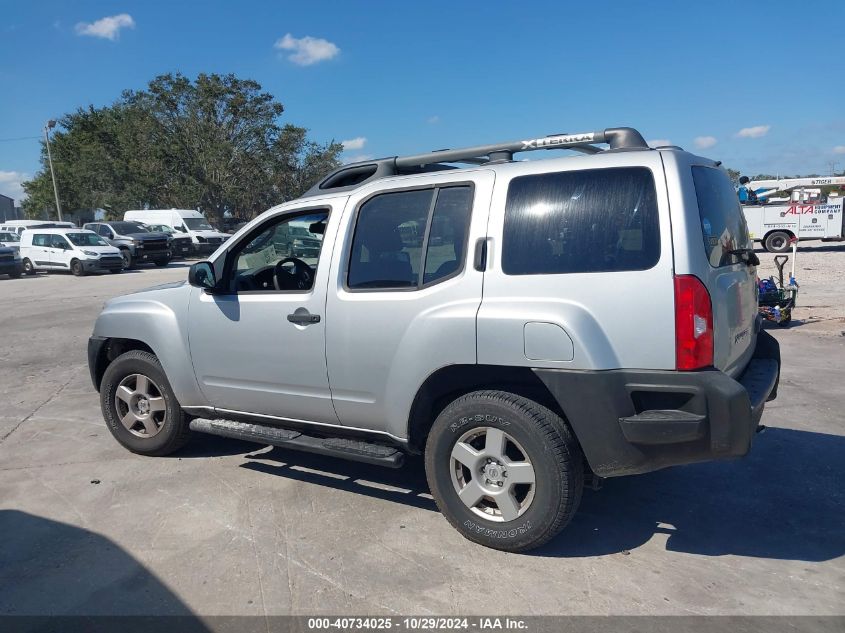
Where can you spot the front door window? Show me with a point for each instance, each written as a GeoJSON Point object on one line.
{"type": "Point", "coordinates": [282, 257]}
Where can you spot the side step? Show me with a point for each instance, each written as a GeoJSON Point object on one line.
{"type": "Point", "coordinates": [354, 450]}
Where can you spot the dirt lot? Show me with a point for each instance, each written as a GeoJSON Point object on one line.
{"type": "Point", "coordinates": [233, 528]}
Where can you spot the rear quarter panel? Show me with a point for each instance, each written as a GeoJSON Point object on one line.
{"type": "Point", "coordinates": [733, 290]}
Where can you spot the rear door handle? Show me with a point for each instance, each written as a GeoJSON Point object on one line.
{"type": "Point", "coordinates": [479, 260]}
{"type": "Point", "coordinates": [301, 316]}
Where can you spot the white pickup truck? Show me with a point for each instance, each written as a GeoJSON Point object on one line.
{"type": "Point", "coordinates": [775, 225]}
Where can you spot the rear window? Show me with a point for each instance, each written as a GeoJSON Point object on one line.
{"type": "Point", "coordinates": [722, 222]}
{"type": "Point", "coordinates": [597, 220]}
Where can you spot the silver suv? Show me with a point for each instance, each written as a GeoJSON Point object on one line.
{"type": "Point", "coordinates": [527, 326]}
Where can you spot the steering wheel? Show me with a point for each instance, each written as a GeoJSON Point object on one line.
{"type": "Point", "coordinates": [302, 275]}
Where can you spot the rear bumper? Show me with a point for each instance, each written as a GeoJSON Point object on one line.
{"type": "Point", "coordinates": [631, 422]}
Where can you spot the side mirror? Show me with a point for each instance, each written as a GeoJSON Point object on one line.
{"type": "Point", "coordinates": [201, 275]}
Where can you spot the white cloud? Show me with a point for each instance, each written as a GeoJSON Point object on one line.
{"type": "Point", "coordinates": [658, 142]}
{"type": "Point", "coordinates": [354, 143]}
{"type": "Point", "coordinates": [358, 158]}
{"type": "Point", "coordinates": [10, 184]}
{"type": "Point", "coordinates": [433, 120]}
{"type": "Point", "coordinates": [754, 132]}
{"type": "Point", "coordinates": [839, 149]}
{"type": "Point", "coordinates": [107, 28]}
{"type": "Point", "coordinates": [704, 142]}
{"type": "Point", "coordinates": [307, 50]}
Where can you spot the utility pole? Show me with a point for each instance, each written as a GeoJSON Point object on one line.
{"type": "Point", "coordinates": [51, 124]}
{"type": "Point", "coordinates": [833, 164]}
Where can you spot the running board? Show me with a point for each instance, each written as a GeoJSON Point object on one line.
{"type": "Point", "coordinates": [354, 450]}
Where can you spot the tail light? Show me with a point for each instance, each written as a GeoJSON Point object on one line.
{"type": "Point", "coordinates": [693, 324]}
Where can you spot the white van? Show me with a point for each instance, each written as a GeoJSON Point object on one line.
{"type": "Point", "coordinates": [19, 226]}
{"type": "Point", "coordinates": [193, 223]}
{"type": "Point", "coordinates": [77, 250]}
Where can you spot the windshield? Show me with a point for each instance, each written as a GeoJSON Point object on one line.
{"type": "Point", "coordinates": [86, 239]}
{"type": "Point", "coordinates": [198, 224]}
{"type": "Point", "coordinates": [160, 228]}
{"type": "Point", "coordinates": [9, 237]}
{"type": "Point", "coordinates": [124, 228]}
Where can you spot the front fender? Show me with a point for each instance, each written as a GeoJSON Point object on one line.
{"type": "Point", "coordinates": [157, 318]}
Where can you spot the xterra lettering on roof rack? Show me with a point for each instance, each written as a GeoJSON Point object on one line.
{"type": "Point", "coordinates": [354, 175]}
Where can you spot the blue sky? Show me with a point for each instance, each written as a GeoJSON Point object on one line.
{"type": "Point", "coordinates": [401, 77]}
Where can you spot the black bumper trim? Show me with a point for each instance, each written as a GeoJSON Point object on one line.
{"type": "Point", "coordinates": [637, 421]}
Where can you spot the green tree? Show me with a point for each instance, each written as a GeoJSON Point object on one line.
{"type": "Point", "coordinates": [214, 143]}
{"type": "Point", "coordinates": [734, 176]}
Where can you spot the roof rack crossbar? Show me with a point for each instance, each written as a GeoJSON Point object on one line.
{"type": "Point", "coordinates": [619, 138]}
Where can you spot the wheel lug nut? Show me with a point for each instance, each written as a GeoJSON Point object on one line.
{"type": "Point", "coordinates": [501, 483]}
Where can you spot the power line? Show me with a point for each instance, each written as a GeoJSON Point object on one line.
{"type": "Point", "coordinates": [19, 138]}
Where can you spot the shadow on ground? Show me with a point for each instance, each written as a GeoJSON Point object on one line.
{"type": "Point", "coordinates": [49, 568]}
{"type": "Point", "coordinates": [783, 501]}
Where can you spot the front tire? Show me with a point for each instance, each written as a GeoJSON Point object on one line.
{"type": "Point", "coordinates": [128, 262]}
{"type": "Point", "coordinates": [77, 268]}
{"type": "Point", "coordinates": [28, 267]}
{"type": "Point", "coordinates": [505, 471]}
{"type": "Point", "coordinates": [139, 406]}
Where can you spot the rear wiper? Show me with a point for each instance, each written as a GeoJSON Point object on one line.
{"type": "Point", "coordinates": [747, 255]}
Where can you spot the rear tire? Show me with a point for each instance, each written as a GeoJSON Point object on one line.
{"type": "Point", "coordinates": [161, 263]}
{"type": "Point", "coordinates": [777, 242]}
{"type": "Point", "coordinates": [16, 274]}
{"type": "Point", "coordinates": [139, 406]}
{"type": "Point", "coordinates": [505, 471]}
{"type": "Point", "coordinates": [77, 268]}
{"type": "Point", "coordinates": [114, 271]}
{"type": "Point", "coordinates": [28, 268]}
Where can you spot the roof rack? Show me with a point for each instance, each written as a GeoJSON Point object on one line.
{"type": "Point", "coordinates": [354, 175]}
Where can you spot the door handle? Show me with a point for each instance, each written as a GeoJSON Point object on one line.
{"type": "Point", "coordinates": [301, 316]}
{"type": "Point", "coordinates": [479, 260]}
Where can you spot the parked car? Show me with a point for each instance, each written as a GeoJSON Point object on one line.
{"type": "Point", "coordinates": [78, 250]}
{"type": "Point", "coordinates": [137, 245]}
{"type": "Point", "coordinates": [205, 238]}
{"type": "Point", "coordinates": [613, 336]}
{"type": "Point", "coordinates": [180, 244]}
{"type": "Point", "coordinates": [233, 225]}
{"type": "Point", "coordinates": [19, 226]}
{"type": "Point", "coordinates": [10, 260]}
{"type": "Point", "coordinates": [11, 240]}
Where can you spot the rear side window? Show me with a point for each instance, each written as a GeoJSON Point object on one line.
{"type": "Point", "coordinates": [597, 220]}
{"type": "Point", "coordinates": [722, 222]}
{"type": "Point", "coordinates": [407, 239]}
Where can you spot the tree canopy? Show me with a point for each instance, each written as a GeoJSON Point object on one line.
{"type": "Point", "coordinates": [214, 143]}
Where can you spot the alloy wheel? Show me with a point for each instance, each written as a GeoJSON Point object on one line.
{"type": "Point", "coordinates": [492, 474]}
{"type": "Point", "coordinates": [140, 405]}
